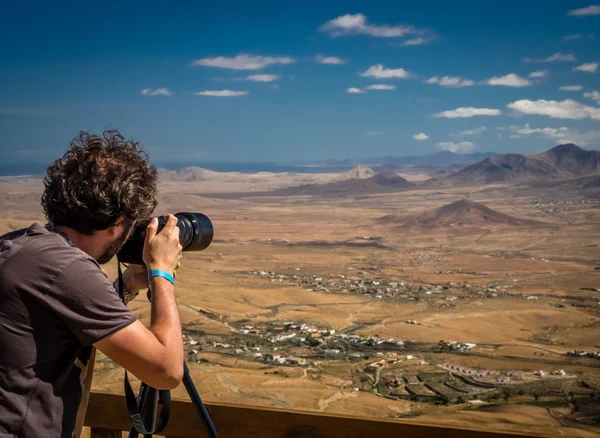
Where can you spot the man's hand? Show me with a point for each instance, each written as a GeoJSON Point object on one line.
{"type": "Point", "coordinates": [135, 277]}
{"type": "Point", "coordinates": [163, 251]}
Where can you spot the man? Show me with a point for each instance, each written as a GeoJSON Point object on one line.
{"type": "Point", "coordinates": [55, 301]}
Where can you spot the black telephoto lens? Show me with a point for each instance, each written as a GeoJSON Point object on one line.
{"type": "Point", "coordinates": [195, 231]}
{"type": "Point", "coordinates": [195, 234]}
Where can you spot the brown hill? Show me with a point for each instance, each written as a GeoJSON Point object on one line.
{"type": "Point", "coordinates": [585, 186]}
{"type": "Point", "coordinates": [380, 183]}
{"type": "Point", "coordinates": [359, 172]}
{"type": "Point", "coordinates": [506, 168]}
{"type": "Point", "coordinates": [463, 213]}
{"type": "Point", "coordinates": [449, 170]}
{"type": "Point", "coordinates": [389, 179]}
{"type": "Point", "coordinates": [572, 159]}
{"type": "Point", "coordinates": [188, 174]}
{"type": "Point", "coordinates": [563, 161]}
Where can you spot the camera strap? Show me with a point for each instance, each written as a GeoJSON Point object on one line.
{"type": "Point", "coordinates": [121, 288]}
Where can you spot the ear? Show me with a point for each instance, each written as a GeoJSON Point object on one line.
{"type": "Point", "coordinates": [116, 228]}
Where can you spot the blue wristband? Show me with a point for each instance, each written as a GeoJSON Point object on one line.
{"type": "Point", "coordinates": [158, 273]}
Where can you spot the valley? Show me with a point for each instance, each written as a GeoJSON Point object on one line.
{"type": "Point", "coordinates": [472, 305]}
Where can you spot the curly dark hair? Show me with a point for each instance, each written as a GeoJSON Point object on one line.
{"type": "Point", "coordinates": [98, 180]}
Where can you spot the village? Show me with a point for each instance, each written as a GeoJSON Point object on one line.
{"type": "Point", "coordinates": [380, 288]}
{"type": "Point", "coordinates": [581, 353]}
{"type": "Point", "coordinates": [447, 294]}
{"type": "Point", "coordinates": [392, 368]}
{"type": "Point", "coordinates": [433, 373]}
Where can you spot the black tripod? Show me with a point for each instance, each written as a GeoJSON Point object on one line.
{"type": "Point", "coordinates": [143, 410]}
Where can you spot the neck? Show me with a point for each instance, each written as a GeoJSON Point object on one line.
{"type": "Point", "coordinates": [88, 244]}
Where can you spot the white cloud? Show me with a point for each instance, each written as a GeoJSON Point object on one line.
{"type": "Point", "coordinates": [380, 87]}
{"type": "Point", "coordinates": [572, 37]}
{"type": "Point", "coordinates": [567, 109]}
{"type": "Point", "coordinates": [469, 132]}
{"type": "Point", "coordinates": [571, 88]}
{"type": "Point", "coordinates": [354, 90]}
{"type": "Point", "coordinates": [420, 136]}
{"type": "Point", "coordinates": [583, 12]}
{"type": "Point", "coordinates": [419, 41]}
{"type": "Point", "coordinates": [451, 81]}
{"type": "Point", "coordinates": [557, 57]}
{"type": "Point", "coordinates": [560, 57]}
{"type": "Point", "coordinates": [468, 112]}
{"type": "Point", "coordinates": [548, 132]}
{"type": "Point", "coordinates": [243, 61]}
{"type": "Point", "coordinates": [594, 95]}
{"type": "Point", "coordinates": [263, 78]}
{"type": "Point", "coordinates": [460, 148]}
{"type": "Point", "coordinates": [538, 74]}
{"type": "Point", "coordinates": [377, 71]}
{"type": "Point", "coordinates": [156, 92]}
{"type": "Point", "coordinates": [562, 134]}
{"type": "Point", "coordinates": [356, 24]}
{"type": "Point", "coordinates": [221, 93]}
{"type": "Point", "coordinates": [510, 80]}
{"type": "Point", "coordinates": [591, 67]}
{"type": "Point", "coordinates": [329, 59]}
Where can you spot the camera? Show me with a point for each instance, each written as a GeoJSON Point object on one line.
{"type": "Point", "coordinates": [195, 234]}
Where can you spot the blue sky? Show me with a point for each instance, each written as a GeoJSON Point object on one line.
{"type": "Point", "coordinates": [284, 81]}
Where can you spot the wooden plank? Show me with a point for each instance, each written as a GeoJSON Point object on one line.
{"type": "Point", "coordinates": [234, 421]}
{"type": "Point", "coordinates": [85, 395]}
{"type": "Point", "coordinates": [96, 432]}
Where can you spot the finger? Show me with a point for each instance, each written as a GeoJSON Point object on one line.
{"type": "Point", "coordinates": [151, 229]}
{"type": "Point", "coordinates": [171, 223]}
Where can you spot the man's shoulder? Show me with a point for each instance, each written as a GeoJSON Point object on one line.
{"type": "Point", "coordinates": [36, 245]}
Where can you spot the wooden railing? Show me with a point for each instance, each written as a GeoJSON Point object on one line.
{"type": "Point", "coordinates": [107, 418]}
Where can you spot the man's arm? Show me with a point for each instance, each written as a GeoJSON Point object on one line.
{"type": "Point", "coordinates": [153, 355]}
{"type": "Point", "coordinates": [135, 277]}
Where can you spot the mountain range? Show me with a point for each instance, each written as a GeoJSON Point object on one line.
{"type": "Point", "coordinates": [378, 183]}
{"type": "Point", "coordinates": [567, 162]}
{"type": "Point", "coordinates": [566, 166]}
{"type": "Point", "coordinates": [563, 161]}
{"type": "Point", "coordinates": [437, 160]}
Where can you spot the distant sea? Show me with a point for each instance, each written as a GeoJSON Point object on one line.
{"type": "Point", "coordinates": [259, 167]}
{"type": "Point", "coordinates": [22, 169]}
{"type": "Point", "coordinates": [39, 169]}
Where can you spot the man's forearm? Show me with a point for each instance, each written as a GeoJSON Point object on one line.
{"type": "Point", "coordinates": [128, 295]}
{"type": "Point", "coordinates": [164, 318]}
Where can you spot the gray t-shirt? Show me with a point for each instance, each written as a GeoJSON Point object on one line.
{"type": "Point", "coordinates": [55, 302]}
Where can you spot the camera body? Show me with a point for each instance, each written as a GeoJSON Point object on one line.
{"type": "Point", "coordinates": [195, 234]}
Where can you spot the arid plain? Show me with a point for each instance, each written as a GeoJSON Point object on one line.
{"type": "Point", "coordinates": [417, 304]}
